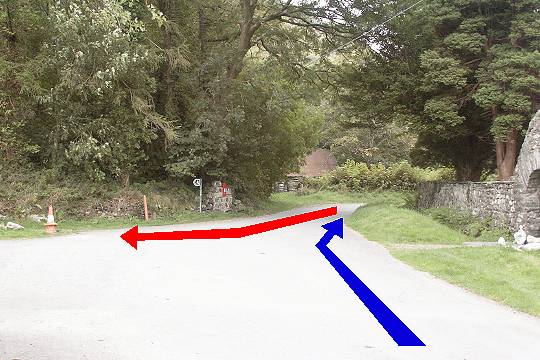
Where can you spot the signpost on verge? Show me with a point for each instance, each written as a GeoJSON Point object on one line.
{"type": "Point", "coordinates": [198, 182]}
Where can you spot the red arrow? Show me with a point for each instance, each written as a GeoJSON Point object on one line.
{"type": "Point", "coordinates": [133, 235]}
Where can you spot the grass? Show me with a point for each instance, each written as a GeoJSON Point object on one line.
{"type": "Point", "coordinates": [291, 200]}
{"type": "Point", "coordinates": [276, 203]}
{"type": "Point", "coordinates": [388, 225]}
{"type": "Point", "coordinates": [502, 274]}
{"type": "Point", "coordinates": [466, 223]}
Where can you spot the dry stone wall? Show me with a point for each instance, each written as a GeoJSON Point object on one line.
{"type": "Point", "coordinates": [219, 197]}
{"type": "Point", "coordinates": [510, 203]}
{"type": "Point", "coordinates": [493, 200]}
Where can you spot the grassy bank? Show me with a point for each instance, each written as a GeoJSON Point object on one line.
{"type": "Point", "coordinates": [390, 225]}
{"type": "Point", "coordinates": [501, 274]}
{"type": "Point", "coordinates": [67, 226]}
{"type": "Point", "coordinates": [291, 200]}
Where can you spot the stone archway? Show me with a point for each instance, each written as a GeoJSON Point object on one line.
{"type": "Point", "coordinates": [527, 178]}
{"type": "Point", "coordinates": [531, 204]}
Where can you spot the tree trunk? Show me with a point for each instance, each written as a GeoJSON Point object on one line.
{"type": "Point", "coordinates": [203, 32]}
{"type": "Point", "coordinates": [125, 179]}
{"type": "Point", "coordinates": [237, 64]}
{"type": "Point", "coordinates": [506, 155]}
{"type": "Point", "coordinates": [55, 153]}
{"type": "Point", "coordinates": [203, 47]}
{"type": "Point", "coordinates": [11, 36]}
{"type": "Point", "coordinates": [167, 94]}
{"type": "Point", "coordinates": [248, 27]}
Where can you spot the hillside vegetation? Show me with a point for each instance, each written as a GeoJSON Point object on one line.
{"type": "Point", "coordinates": [110, 93]}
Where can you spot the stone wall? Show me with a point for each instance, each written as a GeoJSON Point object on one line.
{"type": "Point", "coordinates": [494, 200]}
{"type": "Point", "coordinates": [293, 183]}
{"type": "Point", "coordinates": [219, 197]}
{"type": "Point", "coordinates": [510, 203]}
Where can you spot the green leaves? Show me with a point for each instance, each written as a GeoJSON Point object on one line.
{"type": "Point", "coordinates": [443, 111]}
{"type": "Point", "coordinates": [113, 88]}
{"type": "Point", "coordinates": [466, 43]}
{"type": "Point", "coordinates": [442, 70]}
{"type": "Point", "coordinates": [98, 84]}
{"type": "Point", "coordinates": [357, 176]}
{"type": "Point", "coordinates": [503, 124]}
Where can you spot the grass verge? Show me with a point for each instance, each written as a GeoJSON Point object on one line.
{"type": "Point", "coordinates": [502, 274]}
{"type": "Point", "coordinates": [389, 225]}
{"type": "Point", "coordinates": [66, 226]}
{"type": "Point", "coordinates": [276, 203]}
{"type": "Point", "coordinates": [292, 200]}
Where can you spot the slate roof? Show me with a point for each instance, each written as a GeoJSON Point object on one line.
{"type": "Point", "coordinates": [318, 163]}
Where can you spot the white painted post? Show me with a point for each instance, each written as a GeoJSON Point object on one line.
{"type": "Point", "coordinates": [198, 182]}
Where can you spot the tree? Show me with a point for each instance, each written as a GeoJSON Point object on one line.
{"type": "Point", "coordinates": [99, 106]}
{"type": "Point", "coordinates": [393, 84]}
{"type": "Point", "coordinates": [80, 88]}
{"type": "Point", "coordinates": [23, 28]}
{"type": "Point", "coordinates": [462, 75]}
{"type": "Point", "coordinates": [509, 82]}
{"type": "Point", "coordinates": [137, 90]}
{"type": "Point", "coordinates": [274, 127]}
{"type": "Point", "coordinates": [274, 35]}
{"type": "Point", "coordinates": [358, 136]}
{"type": "Point", "coordinates": [484, 69]}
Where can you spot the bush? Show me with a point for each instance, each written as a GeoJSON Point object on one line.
{"type": "Point", "coordinates": [355, 176]}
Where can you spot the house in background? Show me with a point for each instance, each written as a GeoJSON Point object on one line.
{"type": "Point", "coordinates": [318, 163]}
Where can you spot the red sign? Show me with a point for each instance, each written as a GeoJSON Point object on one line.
{"type": "Point", "coordinates": [225, 190]}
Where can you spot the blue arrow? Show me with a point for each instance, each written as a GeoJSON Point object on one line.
{"type": "Point", "coordinates": [401, 334]}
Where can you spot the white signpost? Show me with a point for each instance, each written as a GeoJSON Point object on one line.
{"type": "Point", "coordinates": [198, 182]}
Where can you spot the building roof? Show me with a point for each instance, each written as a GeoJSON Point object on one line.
{"type": "Point", "coordinates": [318, 163]}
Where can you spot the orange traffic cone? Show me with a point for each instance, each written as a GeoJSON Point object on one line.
{"type": "Point", "coordinates": [50, 226]}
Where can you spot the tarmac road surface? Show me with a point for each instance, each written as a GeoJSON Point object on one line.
{"type": "Point", "coordinates": [270, 296]}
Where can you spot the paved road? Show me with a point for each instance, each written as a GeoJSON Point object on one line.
{"type": "Point", "coordinates": [271, 296]}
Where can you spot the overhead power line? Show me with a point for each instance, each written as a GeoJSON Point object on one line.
{"type": "Point", "coordinates": [373, 28]}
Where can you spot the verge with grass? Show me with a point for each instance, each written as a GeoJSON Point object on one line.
{"type": "Point", "coordinates": [276, 203]}
{"type": "Point", "coordinates": [33, 229]}
{"type": "Point", "coordinates": [288, 200]}
{"type": "Point", "coordinates": [390, 225]}
{"type": "Point", "coordinates": [502, 274]}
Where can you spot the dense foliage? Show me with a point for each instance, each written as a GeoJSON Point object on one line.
{"type": "Point", "coordinates": [463, 76]}
{"type": "Point", "coordinates": [355, 176]}
{"type": "Point", "coordinates": [135, 90]}
{"type": "Point", "coordinates": [131, 91]}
